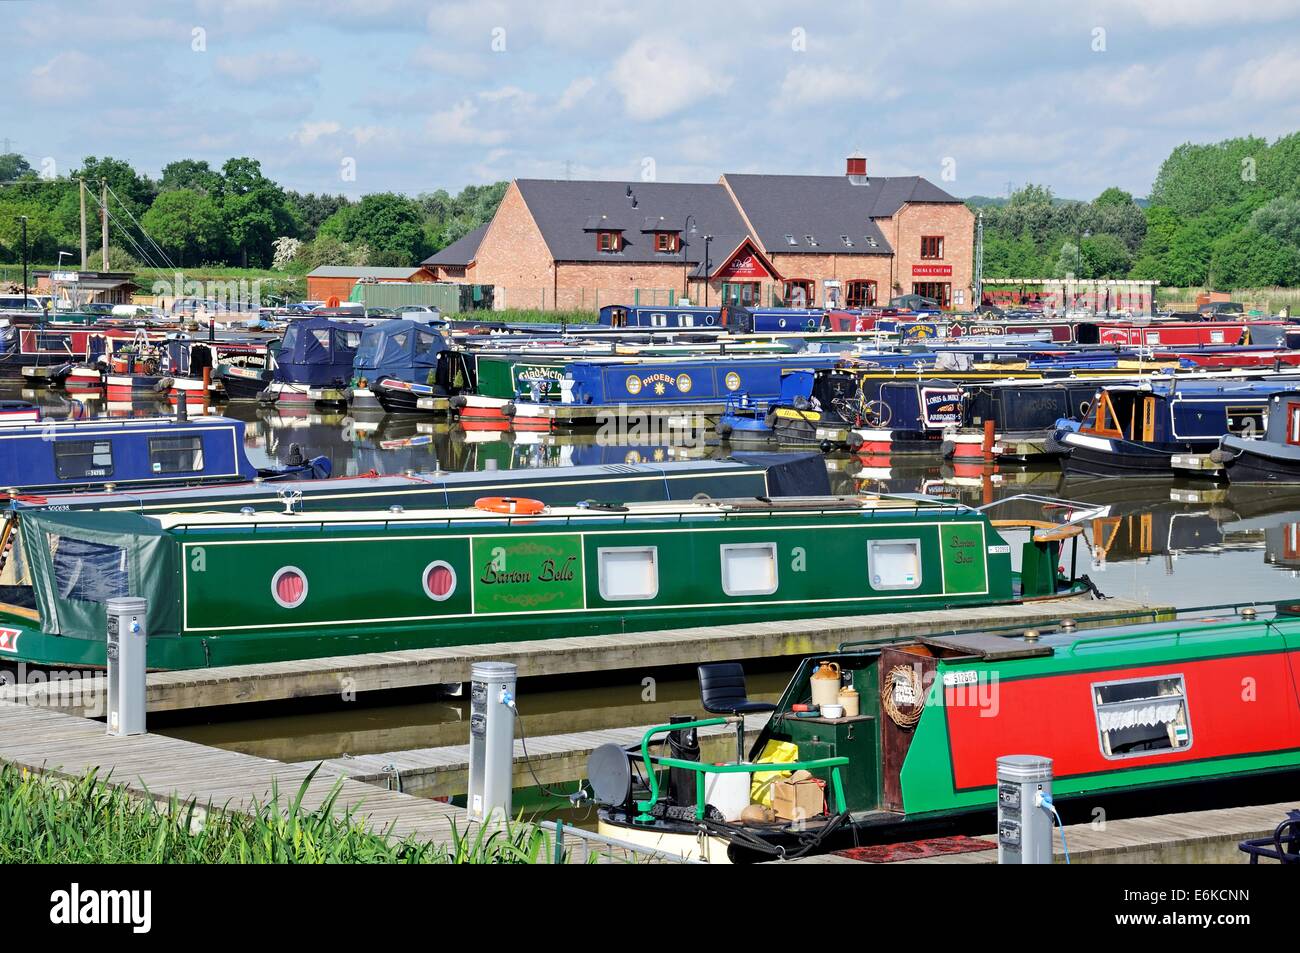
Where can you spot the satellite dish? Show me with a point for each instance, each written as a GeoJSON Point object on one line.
{"type": "Point", "coordinates": [610, 775]}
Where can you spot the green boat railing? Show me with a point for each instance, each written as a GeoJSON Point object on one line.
{"type": "Point", "coordinates": [701, 770]}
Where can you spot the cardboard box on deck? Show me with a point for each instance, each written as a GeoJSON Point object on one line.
{"type": "Point", "coordinates": [799, 796]}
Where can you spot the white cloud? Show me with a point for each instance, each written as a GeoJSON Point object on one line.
{"type": "Point", "coordinates": [455, 125]}
{"type": "Point", "coordinates": [1269, 78]}
{"type": "Point", "coordinates": [658, 76]}
{"type": "Point", "coordinates": [807, 85]}
{"type": "Point", "coordinates": [254, 69]}
{"type": "Point", "coordinates": [576, 91]}
{"type": "Point", "coordinates": [309, 133]}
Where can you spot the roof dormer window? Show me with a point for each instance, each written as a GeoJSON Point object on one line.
{"type": "Point", "coordinates": [609, 241]}
{"type": "Point", "coordinates": [667, 242]}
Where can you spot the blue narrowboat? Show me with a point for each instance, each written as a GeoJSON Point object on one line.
{"type": "Point", "coordinates": [399, 361]}
{"type": "Point", "coordinates": [735, 319]}
{"type": "Point", "coordinates": [315, 353]}
{"type": "Point", "coordinates": [690, 381]}
{"type": "Point", "coordinates": [70, 455]}
{"type": "Point", "coordinates": [1138, 428]}
{"type": "Point", "coordinates": [1274, 458]}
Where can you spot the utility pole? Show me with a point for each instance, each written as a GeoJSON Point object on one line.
{"type": "Point", "coordinates": [103, 218]}
{"type": "Point", "coordinates": [83, 222]}
{"type": "Point", "coordinates": [23, 219]}
{"type": "Point", "coordinates": [979, 259]}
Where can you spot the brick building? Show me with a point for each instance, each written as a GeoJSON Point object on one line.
{"type": "Point", "coordinates": [850, 240]}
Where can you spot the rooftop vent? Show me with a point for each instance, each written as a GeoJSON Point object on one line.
{"type": "Point", "coordinates": [791, 240]}
{"type": "Point", "coordinates": [810, 240]}
{"type": "Point", "coordinates": [855, 167]}
{"type": "Point", "coordinates": [848, 242]}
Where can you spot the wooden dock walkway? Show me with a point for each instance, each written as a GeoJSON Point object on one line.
{"type": "Point", "coordinates": [156, 767]}
{"type": "Point", "coordinates": [630, 651]}
{"type": "Point", "coordinates": [555, 759]}
{"type": "Point", "coordinates": [1192, 837]}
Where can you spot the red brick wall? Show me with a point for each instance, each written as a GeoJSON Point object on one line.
{"type": "Point", "coordinates": [322, 289]}
{"type": "Point", "coordinates": [842, 268]}
{"type": "Point", "coordinates": [513, 256]}
{"type": "Point", "coordinates": [956, 223]}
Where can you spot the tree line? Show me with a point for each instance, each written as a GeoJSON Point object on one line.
{"type": "Point", "coordinates": [1223, 215]}
{"type": "Point", "coordinates": [232, 216]}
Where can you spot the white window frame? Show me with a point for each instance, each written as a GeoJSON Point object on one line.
{"type": "Point", "coordinates": [1187, 713]}
{"type": "Point", "coordinates": [871, 548]}
{"type": "Point", "coordinates": [770, 548]}
{"type": "Point", "coordinates": [600, 571]}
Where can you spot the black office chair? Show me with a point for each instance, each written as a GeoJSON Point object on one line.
{"type": "Point", "coordinates": [722, 690]}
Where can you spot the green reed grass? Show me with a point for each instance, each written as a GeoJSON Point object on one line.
{"type": "Point", "coordinates": [46, 820]}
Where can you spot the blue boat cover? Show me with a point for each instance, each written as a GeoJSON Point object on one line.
{"type": "Point", "coordinates": [406, 350]}
{"type": "Point", "coordinates": [318, 352]}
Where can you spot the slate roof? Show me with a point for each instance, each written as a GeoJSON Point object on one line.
{"type": "Point", "coordinates": [460, 252]}
{"type": "Point", "coordinates": [570, 213]}
{"type": "Point", "coordinates": [826, 207]}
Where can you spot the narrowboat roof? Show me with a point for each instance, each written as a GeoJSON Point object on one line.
{"type": "Point", "coordinates": [114, 425]}
{"type": "Point", "coordinates": [711, 509]}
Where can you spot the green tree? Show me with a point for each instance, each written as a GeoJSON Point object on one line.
{"type": "Point", "coordinates": [186, 223]}
{"type": "Point", "coordinates": [254, 211]}
{"type": "Point", "coordinates": [387, 223]}
{"type": "Point", "coordinates": [1251, 259]}
{"type": "Point", "coordinates": [193, 174]}
{"type": "Point", "coordinates": [13, 167]}
{"type": "Point", "coordinates": [135, 190]}
{"type": "Point", "coordinates": [1104, 256]}
{"type": "Point", "coordinates": [1113, 196]}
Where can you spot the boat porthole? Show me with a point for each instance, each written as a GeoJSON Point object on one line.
{"type": "Point", "coordinates": [289, 587]}
{"type": "Point", "coordinates": [439, 580]}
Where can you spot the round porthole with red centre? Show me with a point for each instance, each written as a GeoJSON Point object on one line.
{"type": "Point", "coordinates": [439, 580]}
{"type": "Point", "coordinates": [289, 587]}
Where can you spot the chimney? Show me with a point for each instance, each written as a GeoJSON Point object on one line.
{"type": "Point", "coordinates": [855, 167]}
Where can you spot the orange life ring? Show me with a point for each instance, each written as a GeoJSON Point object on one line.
{"type": "Point", "coordinates": [510, 504]}
{"type": "Point", "coordinates": [333, 301]}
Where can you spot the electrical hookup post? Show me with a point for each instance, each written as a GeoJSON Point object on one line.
{"type": "Point", "coordinates": [128, 641]}
{"type": "Point", "coordinates": [491, 740]}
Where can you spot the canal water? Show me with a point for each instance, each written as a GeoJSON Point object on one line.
{"type": "Point", "coordinates": [1164, 541]}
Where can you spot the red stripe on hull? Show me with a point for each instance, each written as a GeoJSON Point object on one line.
{"type": "Point", "coordinates": [1235, 706]}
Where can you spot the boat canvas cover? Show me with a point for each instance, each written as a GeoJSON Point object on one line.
{"type": "Point", "coordinates": [402, 349]}
{"type": "Point", "coordinates": [78, 561]}
{"type": "Point", "coordinates": [791, 474]}
{"type": "Point", "coordinates": [318, 352]}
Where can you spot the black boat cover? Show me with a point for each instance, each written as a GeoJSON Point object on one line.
{"type": "Point", "coordinates": [791, 474]}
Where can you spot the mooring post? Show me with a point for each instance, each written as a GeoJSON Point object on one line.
{"type": "Point", "coordinates": [491, 740]}
{"type": "Point", "coordinates": [127, 643]}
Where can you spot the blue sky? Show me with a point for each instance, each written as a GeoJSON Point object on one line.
{"type": "Point", "coordinates": [418, 96]}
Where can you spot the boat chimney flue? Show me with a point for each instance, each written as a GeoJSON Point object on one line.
{"type": "Point", "coordinates": [1249, 612]}
{"type": "Point", "coordinates": [1031, 635]}
{"type": "Point", "coordinates": [1068, 625]}
{"type": "Point", "coordinates": [182, 409]}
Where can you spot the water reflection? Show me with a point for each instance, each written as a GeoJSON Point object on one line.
{"type": "Point", "coordinates": [1164, 541]}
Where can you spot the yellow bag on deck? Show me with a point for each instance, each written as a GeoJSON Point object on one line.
{"type": "Point", "coordinates": [774, 752]}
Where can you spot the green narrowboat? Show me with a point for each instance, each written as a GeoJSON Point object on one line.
{"type": "Point", "coordinates": [233, 588]}
{"type": "Point", "coordinates": [1134, 710]}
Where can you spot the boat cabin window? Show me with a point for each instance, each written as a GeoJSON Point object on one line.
{"type": "Point", "coordinates": [1293, 424]}
{"type": "Point", "coordinates": [628, 572]}
{"type": "Point", "coordinates": [89, 572]}
{"type": "Point", "coordinates": [1246, 421]}
{"type": "Point", "coordinates": [749, 569]}
{"type": "Point", "coordinates": [79, 459]}
{"type": "Point", "coordinates": [176, 454]}
{"type": "Point", "coordinates": [894, 563]}
{"type": "Point", "coordinates": [658, 320]}
{"type": "Point", "coordinates": [322, 336]}
{"type": "Point", "coordinates": [1142, 716]}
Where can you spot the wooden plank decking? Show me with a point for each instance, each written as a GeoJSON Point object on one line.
{"type": "Point", "coordinates": [157, 767]}
{"type": "Point", "coordinates": [635, 651]}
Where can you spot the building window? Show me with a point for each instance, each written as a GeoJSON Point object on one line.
{"type": "Point", "coordinates": [743, 293]}
{"type": "Point", "coordinates": [799, 293]}
{"type": "Point", "coordinates": [79, 459]}
{"type": "Point", "coordinates": [1142, 716]}
{"type": "Point", "coordinates": [176, 454]}
{"type": "Point", "coordinates": [609, 241]}
{"type": "Point", "coordinates": [894, 563]}
{"type": "Point", "coordinates": [666, 241]}
{"type": "Point", "coordinates": [749, 569]}
{"type": "Point", "coordinates": [628, 572]}
{"type": "Point", "coordinates": [938, 291]}
{"type": "Point", "coordinates": [932, 246]}
{"type": "Point", "coordinates": [860, 294]}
